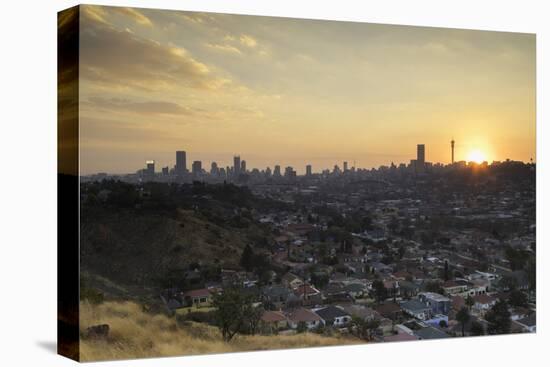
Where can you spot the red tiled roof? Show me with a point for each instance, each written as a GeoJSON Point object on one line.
{"type": "Point", "coordinates": [197, 293]}
{"type": "Point", "coordinates": [303, 314]}
{"type": "Point", "coordinates": [483, 299]}
{"type": "Point", "coordinates": [273, 316]}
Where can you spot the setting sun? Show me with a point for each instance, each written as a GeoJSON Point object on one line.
{"type": "Point", "coordinates": [476, 156]}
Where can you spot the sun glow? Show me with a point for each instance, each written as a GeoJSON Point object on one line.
{"type": "Point", "coordinates": [477, 156]}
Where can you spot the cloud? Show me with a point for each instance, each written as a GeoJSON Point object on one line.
{"type": "Point", "coordinates": [144, 107]}
{"type": "Point", "coordinates": [137, 16]}
{"type": "Point", "coordinates": [114, 57]}
{"type": "Point", "coordinates": [248, 41]}
{"type": "Point", "coordinates": [224, 48]}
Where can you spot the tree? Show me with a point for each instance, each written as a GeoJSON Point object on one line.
{"type": "Point", "coordinates": [302, 327]}
{"type": "Point", "coordinates": [380, 291]}
{"type": "Point", "coordinates": [477, 329]}
{"type": "Point", "coordinates": [517, 298]}
{"type": "Point", "coordinates": [364, 329]}
{"type": "Point", "coordinates": [232, 312]}
{"type": "Point", "coordinates": [498, 318]}
{"type": "Point", "coordinates": [247, 258]}
{"type": "Point", "coordinates": [469, 302]}
{"type": "Point", "coordinates": [463, 316]}
{"type": "Point", "coordinates": [446, 271]}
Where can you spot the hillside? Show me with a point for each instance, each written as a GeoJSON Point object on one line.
{"type": "Point", "coordinates": [140, 242]}
{"type": "Point", "coordinates": [137, 334]}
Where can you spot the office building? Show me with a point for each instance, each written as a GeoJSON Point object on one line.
{"type": "Point", "coordinates": [308, 170]}
{"type": "Point", "coordinates": [181, 163]}
{"type": "Point", "coordinates": [236, 165]}
{"type": "Point", "coordinates": [197, 167]}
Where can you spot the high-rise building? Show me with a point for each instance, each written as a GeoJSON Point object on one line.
{"type": "Point", "coordinates": [165, 171]}
{"type": "Point", "coordinates": [345, 166]}
{"type": "Point", "coordinates": [277, 171]}
{"type": "Point", "coordinates": [243, 166]}
{"type": "Point", "coordinates": [290, 172]}
{"type": "Point", "coordinates": [236, 165]}
{"type": "Point", "coordinates": [453, 151]}
{"type": "Point", "coordinates": [420, 154]}
{"type": "Point", "coordinates": [308, 170]}
{"type": "Point", "coordinates": [197, 167]}
{"type": "Point", "coordinates": [181, 163]}
{"type": "Point", "coordinates": [150, 170]}
{"type": "Point", "coordinates": [214, 170]}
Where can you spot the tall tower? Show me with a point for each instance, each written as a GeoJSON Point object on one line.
{"type": "Point", "coordinates": [236, 165]}
{"type": "Point", "coordinates": [181, 163]}
{"type": "Point", "coordinates": [453, 151]}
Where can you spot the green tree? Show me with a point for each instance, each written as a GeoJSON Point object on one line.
{"type": "Point", "coordinates": [232, 312]}
{"type": "Point", "coordinates": [517, 298]}
{"type": "Point", "coordinates": [247, 258]}
{"type": "Point", "coordinates": [380, 291]}
{"type": "Point", "coordinates": [469, 302]}
{"type": "Point", "coordinates": [463, 316]}
{"type": "Point", "coordinates": [498, 318]}
{"type": "Point", "coordinates": [477, 329]}
{"type": "Point", "coordinates": [302, 327]}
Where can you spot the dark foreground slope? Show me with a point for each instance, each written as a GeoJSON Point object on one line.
{"type": "Point", "coordinates": [136, 238]}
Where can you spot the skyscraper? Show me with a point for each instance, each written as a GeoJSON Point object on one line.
{"type": "Point", "coordinates": [236, 165]}
{"type": "Point", "coordinates": [420, 162]}
{"type": "Point", "coordinates": [420, 154]}
{"type": "Point", "coordinates": [181, 163]}
{"type": "Point", "coordinates": [150, 170]}
{"type": "Point", "coordinates": [197, 167]}
{"type": "Point", "coordinates": [308, 170]}
{"type": "Point", "coordinates": [345, 166]}
{"type": "Point", "coordinates": [214, 171]}
{"type": "Point", "coordinates": [277, 171]}
{"type": "Point", "coordinates": [243, 166]}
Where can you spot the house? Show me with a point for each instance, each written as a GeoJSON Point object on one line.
{"type": "Point", "coordinates": [198, 297]}
{"type": "Point", "coordinates": [457, 302]}
{"type": "Point", "coordinates": [334, 316]}
{"type": "Point", "coordinates": [430, 332]}
{"type": "Point", "coordinates": [416, 309]}
{"type": "Point", "coordinates": [390, 310]}
{"type": "Point", "coordinates": [438, 303]}
{"type": "Point", "coordinates": [529, 323]}
{"type": "Point", "coordinates": [291, 281]}
{"type": "Point", "coordinates": [408, 289]}
{"type": "Point", "coordinates": [400, 337]}
{"type": "Point", "coordinates": [454, 287]}
{"type": "Point", "coordinates": [273, 321]}
{"type": "Point", "coordinates": [483, 303]}
{"type": "Point", "coordinates": [276, 295]}
{"type": "Point", "coordinates": [356, 290]}
{"type": "Point", "coordinates": [362, 312]}
{"type": "Point", "coordinates": [303, 315]}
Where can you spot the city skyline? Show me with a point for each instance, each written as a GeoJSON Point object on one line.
{"type": "Point", "coordinates": [297, 92]}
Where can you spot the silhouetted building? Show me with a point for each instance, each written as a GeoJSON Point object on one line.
{"type": "Point", "coordinates": [150, 168]}
{"type": "Point", "coordinates": [243, 166]}
{"type": "Point", "coordinates": [197, 167]}
{"type": "Point", "coordinates": [345, 166]}
{"type": "Point", "coordinates": [277, 171]}
{"type": "Point", "coordinates": [453, 151]}
{"type": "Point", "coordinates": [181, 163]}
{"type": "Point", "coordinates": [214, 170]}
{"type": "Point", "coordinates": [308, 170]}
{"type": "Point", "coordinates": [236, 165]}
{"type": "Point", "coordinates": [165, 171]}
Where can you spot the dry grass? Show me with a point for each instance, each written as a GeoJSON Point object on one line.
{"type": "Point", "coordinates": [135, 334]}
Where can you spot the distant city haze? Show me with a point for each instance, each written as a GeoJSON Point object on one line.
{"type": "Point", "coordinates": [294, 92]}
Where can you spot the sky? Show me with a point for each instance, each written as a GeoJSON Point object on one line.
{"type": "Point", "coordinates": [294, 91]}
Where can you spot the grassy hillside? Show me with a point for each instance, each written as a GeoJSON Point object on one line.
{"type": "Point", "coordinates": [136, 334]}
